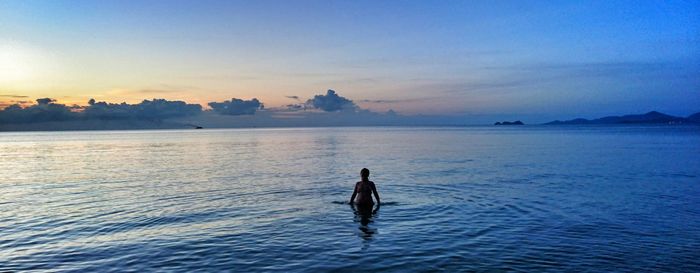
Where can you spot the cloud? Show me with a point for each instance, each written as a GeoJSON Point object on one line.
{"type": "Point", "coordinates": [295, 107]}
{"type": "Point", "coordinates": [388, 101]}
{"type": "Point", "coordinates": [559, 78]}
{"type": "Point", "coordinates": [43, 101]}
{"type": "Point", "coordinates": [6, 103]}
{"type": "Point", "coordinates": [12, 96]}
{"type": "Point", "coordinates": [538, 72]}
{"type": "Point", "coordinates": [236, 107]}
{"type": "Point", "coordinates": [623, 67]}
{"type": "Point", "coordinates": [380, 101]}
{"type": "Point", "coordinates": [46, 110]}
{"type": "Point", "coordinates": [155, 91]}
{"type": "Point", "coordinates": [331, 102]}
{"type": "Point", "coordinates": [156, 109]}
{"type": "Point", "coordinates": [47, 114]}
{"type": "Point", "coordinates": [501, 85]}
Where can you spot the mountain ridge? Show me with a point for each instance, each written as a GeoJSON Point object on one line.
{"type": "Point", "coordinates": [652, 117]}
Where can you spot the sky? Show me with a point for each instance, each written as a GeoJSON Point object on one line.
{"type": "Point", "coordinates": [535, 60]}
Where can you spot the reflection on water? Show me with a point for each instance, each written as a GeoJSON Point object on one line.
{"type": "Point", "coordinates": [364, 215]}
{"type": "Point", "coordinates": [529, 199]}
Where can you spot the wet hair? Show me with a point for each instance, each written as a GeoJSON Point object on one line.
{"type": "Point", "coordinates": [364, 173]}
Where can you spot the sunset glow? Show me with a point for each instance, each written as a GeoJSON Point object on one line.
{"type": "Point", "coordinates": [265, 135]}
{"type": "Point", "coordinates": [447, 58]}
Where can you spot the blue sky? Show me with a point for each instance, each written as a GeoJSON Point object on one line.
{"type": "Point", "coordinates": [534, 59]}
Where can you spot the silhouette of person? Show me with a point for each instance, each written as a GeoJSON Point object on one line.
{"type": "Point", "coordinates": [362, 194]}
{"type": "Point", "coordinates": [364, 217]}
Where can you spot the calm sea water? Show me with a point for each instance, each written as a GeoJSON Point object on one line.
{"type": "Point", "coordinates": [578, 199]}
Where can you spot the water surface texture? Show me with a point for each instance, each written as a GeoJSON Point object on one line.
{"type": "Point", "coordinates": [580, 199]}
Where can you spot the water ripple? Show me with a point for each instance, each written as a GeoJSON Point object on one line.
{"type": "Point", "coordinates": [454, 200]}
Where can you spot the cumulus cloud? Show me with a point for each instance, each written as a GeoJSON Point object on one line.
{"type": "Point", "coordinates": [156, 109]}
{"type": "Point", "coordinates": [44, 110]}
{"type": "Point", "coordinates": [331, 102]}
{"type": "Point", "coordinates": [236, 107]}
{"type": "Point", "coordinates": [47, 110]}
{"type": "Point", "coordinates": [44, 101]}
{"type": "Point", "coordinates": [13, 99]}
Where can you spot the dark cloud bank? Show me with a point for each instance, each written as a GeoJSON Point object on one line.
{"type": "Point", "coordinates": [47, 114]}
{"type": "Point", "coordinates": [47, 110]}
{"type": "Point", "coordinates": [236, 107]}
{"type": "Point", "coordinates": [329, 109]}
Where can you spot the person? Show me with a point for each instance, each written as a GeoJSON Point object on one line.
{"type": "Point", "coordinates": [362, 195]}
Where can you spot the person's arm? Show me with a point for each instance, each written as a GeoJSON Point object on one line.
{"type": "Point", "coordinates": [354, 193]}
{"type": "Point", "coordinates": [376, 194]}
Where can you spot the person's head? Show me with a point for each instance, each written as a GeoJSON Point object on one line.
{"type": "Point", "coordinates": [364, 173]}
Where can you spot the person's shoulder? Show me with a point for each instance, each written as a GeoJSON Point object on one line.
{"type": "Point", "coordinates": [371, 183]}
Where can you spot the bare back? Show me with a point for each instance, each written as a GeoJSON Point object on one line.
{"type": "Point", "coordinates": [364, 190]}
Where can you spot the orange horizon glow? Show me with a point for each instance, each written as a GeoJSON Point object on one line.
{"type": "Point", "coordinates": [446, 58]}
{"type": "Point", "coordinates": [83, 101]}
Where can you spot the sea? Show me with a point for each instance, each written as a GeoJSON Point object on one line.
{"type": "Point", "coordinates": [453, 199]}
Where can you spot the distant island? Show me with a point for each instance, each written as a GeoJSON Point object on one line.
{"type": "Point", "coordinates": [652, 117]}
{"type": "Point", "coordinates": [517, 122]}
